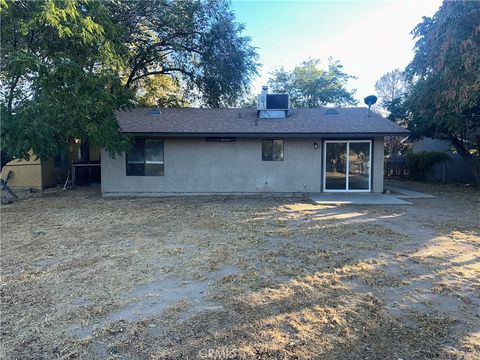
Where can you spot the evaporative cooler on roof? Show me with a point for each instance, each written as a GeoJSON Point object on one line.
{"type": "Point", "coordinates": [277, 102]}
{"type": "Point", "coordinates": [272, 106]}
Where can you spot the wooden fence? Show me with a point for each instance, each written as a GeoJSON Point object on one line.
{"type": "Point", "coordinates": [395, 166]}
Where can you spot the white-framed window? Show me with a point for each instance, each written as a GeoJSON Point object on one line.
{"type": "Point", "coordinates": [347, 165]}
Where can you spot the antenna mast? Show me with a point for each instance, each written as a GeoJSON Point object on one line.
{"type": "Point", "coordinates": [370, 100]}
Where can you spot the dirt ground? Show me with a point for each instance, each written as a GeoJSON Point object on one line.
{"type": "Point", "coordinates": [240, 278]}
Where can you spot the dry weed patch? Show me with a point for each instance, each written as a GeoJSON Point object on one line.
{"type": "Point", "coordinates": [86, 277]}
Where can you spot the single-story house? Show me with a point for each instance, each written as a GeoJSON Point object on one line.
{"type": "Point", "coordinates": [236, 151]}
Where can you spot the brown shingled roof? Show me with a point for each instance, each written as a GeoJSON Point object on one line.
{"type": "Point", "coordinates": [244, 122]}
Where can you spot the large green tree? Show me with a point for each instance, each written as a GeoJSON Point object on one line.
{"type": "Point", "coordinates": [59, 77]}
{"type": "Point", "coordinates": [309, 85]}
{"type": "Point", "coordinates": [198, 42]}
{"type": "Point", "coordinates": [162, 91]}
{"type": "Point", "coordinates": [445, 98]}
{"type": "Point", "coordinates": [67, 65]}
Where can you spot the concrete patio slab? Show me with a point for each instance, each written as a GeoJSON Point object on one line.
{"type": "Point", "coordinates": [357, 199]}
{"type": "Point", "coordinates": [409, 194]}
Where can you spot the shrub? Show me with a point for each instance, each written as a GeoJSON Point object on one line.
{"type": "Point", "coordinates": [418, 164]}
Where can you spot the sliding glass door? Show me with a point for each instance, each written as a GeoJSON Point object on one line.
{"type": "Point", "coordinates": [335, 166]}
{"type": "Point", "coordinates": [347, 165]}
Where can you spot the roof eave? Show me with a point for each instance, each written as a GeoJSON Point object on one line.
{"type": "Point", "coordinates": [270, 134]}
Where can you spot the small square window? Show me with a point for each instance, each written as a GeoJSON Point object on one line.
{"type": "Point", "coordinates": [272, 150]}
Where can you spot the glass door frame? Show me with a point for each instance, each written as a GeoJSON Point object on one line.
{"type": "Point", "coordinates": [324, 167]}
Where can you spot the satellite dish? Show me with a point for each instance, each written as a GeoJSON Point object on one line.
{"type": "Point", "coordinates": [370, 100]}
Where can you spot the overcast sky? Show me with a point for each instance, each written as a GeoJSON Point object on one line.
{"type": "Point", "coordinates": [368, 37]}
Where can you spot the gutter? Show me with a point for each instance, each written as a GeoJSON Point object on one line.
{"type": "Point", "coordinates": [266, 134]}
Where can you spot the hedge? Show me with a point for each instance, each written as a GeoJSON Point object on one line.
{"type": "Point", "coordinates": [418, 164]}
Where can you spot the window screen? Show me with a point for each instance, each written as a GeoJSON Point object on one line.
{"type": "Point", "coordinates": [272, 150]}
{"type": "Point", "coordinates": [153, 158]}
{"type": "Point", "coordinates": [145, 158]}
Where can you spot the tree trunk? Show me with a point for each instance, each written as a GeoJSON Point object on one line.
{"type": "Point", "coordinates": [4, 159]}
{"type": "Point", "coordinates": [472, 161]}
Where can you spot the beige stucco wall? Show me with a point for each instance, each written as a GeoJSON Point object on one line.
{"type": "Point", "coordinates": [195, 166]}
{"type": "Point", "coordinates": [378, 164]}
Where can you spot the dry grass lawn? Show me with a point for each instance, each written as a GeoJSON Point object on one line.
{"type": "Point", "coordinates": [241, 278]}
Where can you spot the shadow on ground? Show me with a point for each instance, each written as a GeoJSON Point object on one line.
{"type": "Point", "coordinates": [86, 277]}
